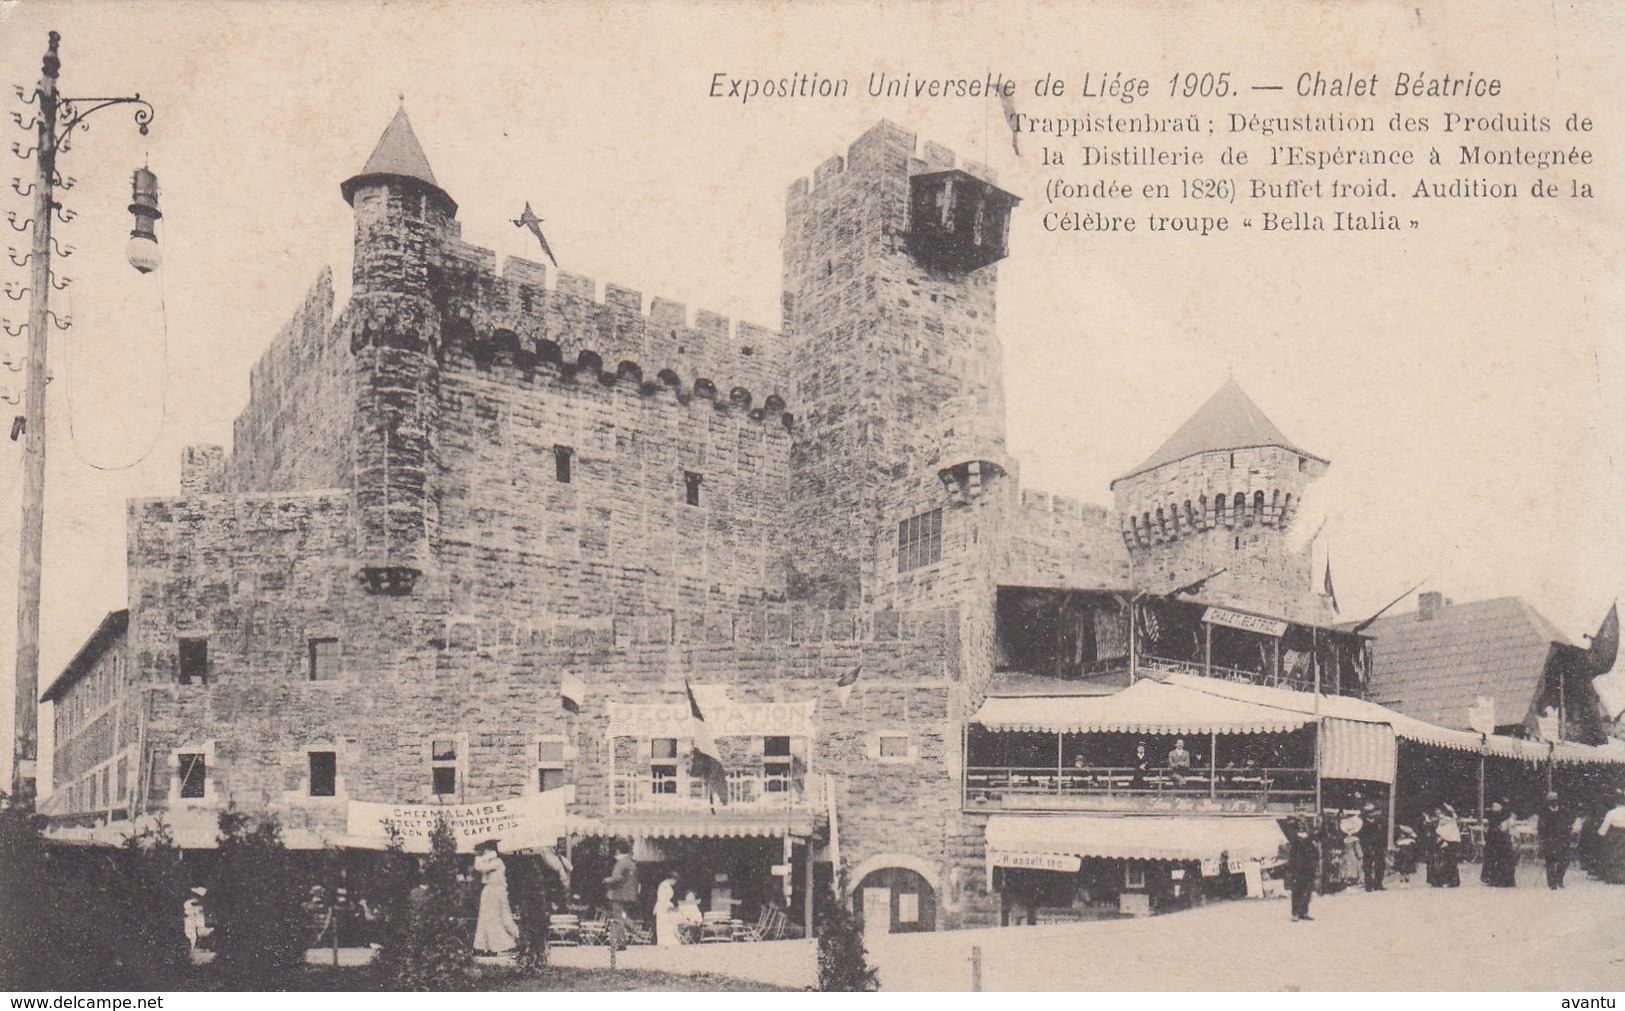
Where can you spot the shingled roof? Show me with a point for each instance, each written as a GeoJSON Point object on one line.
{"type": "Point", "coordinates": [1229, 420]}
{"type": "Point", "coordinates": [397, 156]}
{"type": "Point", "coordinates": [1434, 668]}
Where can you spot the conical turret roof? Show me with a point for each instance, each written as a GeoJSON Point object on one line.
{"type": "Point", "coordinates": [1229, 420]}
{"type": "Point", "coordinates": [398, 156]}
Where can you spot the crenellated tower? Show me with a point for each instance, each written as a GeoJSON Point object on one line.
{"type": "Point", "coordinates": [402, 218]}
{"type": "Point", "coordinates": [1224, 492]}
{"type": "Point", "coordinates": [889, 304]}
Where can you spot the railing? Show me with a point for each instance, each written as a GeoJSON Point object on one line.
{"type": "Point", "coordinates": [750, 788]}
{"type": "Point", "coordinates": [1165, 665]}
{"type": "Point", "coordinates": [1279, 785]}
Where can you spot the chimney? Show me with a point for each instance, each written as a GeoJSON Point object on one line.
{"type": "Point", "coordinates": [1428, 604]}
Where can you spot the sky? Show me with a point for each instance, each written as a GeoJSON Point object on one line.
{"type": "Point", "coordinates": [1467, 380]}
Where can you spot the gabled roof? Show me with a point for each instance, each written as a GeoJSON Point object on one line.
{"type": "Point", "coordinates": [1229, 420]}
{"type": "Point", "coordinates": [107, 633]}
{"type": "Point", "coordinates": [1434, 669]}
{"type": "Point", "coordinates": [397, 156]}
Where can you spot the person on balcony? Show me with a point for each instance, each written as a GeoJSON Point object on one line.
{"type": "Point", "coordinates": [1142, 767]}
{"type": "Point", "coordinates": [1179, 762]}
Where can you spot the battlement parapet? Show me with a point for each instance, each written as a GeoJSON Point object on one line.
{"type": "Point", "coordinates": [928, 156]}
{"type": "Point", "coordinates": [489, 313]}
{"type": "Point", "coordinates": [1065, 507]}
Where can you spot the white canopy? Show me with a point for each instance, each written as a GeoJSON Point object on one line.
{"type": "Point", "coordinates": [1025, 840]}
{"type": "Point", "coordinates": [1145, 707]}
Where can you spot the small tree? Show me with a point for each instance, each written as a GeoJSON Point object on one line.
{"type": "Point", "coordinates": [425, 949]}
{"type": "Point", "coordinates": [144, 892]}
{"type": "Point", "coordinates": [530, 884]}
{"type": "Point", "coordinates": [261, 929]}
{"type": "Point", "coordinates": [843, 964]}
{"type": "Point", "coordinates": [36, 942]}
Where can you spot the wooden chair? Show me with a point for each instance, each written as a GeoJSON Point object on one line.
{"type": "Point", "coordinates": [593, 932]}
{"type": "Point", "coordinates": [716, 927]}
{"type": "Point", "coordinates": [564, 930]}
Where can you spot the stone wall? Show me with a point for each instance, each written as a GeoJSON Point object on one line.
{"type": "Point", "coordinates": [297, 429]}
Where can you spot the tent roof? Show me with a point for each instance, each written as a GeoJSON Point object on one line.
{"type": "Point", "coordinates": [1229, 420]}
{"type": "Point", "coordinates": [1160, 837]}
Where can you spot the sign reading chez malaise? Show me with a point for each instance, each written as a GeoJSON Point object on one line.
{"type": "Point", "coordinates": [724, 718]}
{"type": "Point", "coordinates": [517, 822]}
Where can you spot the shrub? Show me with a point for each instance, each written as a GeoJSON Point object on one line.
{"type": "Point", "coordinates": [261, 929]}
{"type": "Point", "coordinates": [424, 946]}
{"type": "Point", "coordinates": [843, 964]}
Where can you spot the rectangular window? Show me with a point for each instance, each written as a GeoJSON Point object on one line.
{"type": "Point", "coordinates": [194, 774]}
{"type": "Point", "coordinates": [324, 659]}
{"type": "Point", "coordinates": [776, 764]}
{"type": "Point", "coordinates": [550, 764]}
{"type": "Point", "coordinates": [919, 541]}
{"type": "Point", "coordinates": [443, 762]}
{"type": "Point", "coordinates": [324, 774]}
{"type": "Point", "coordinates": [691, 483]}
{"type": "Point", "coordinates": [194, 661]}
{"type": "Point", "coordinates": [663, 765]}
{"type": "Point", "coordinates": [894, 746]}
{"type": "Point", "coordinates": [561, 463]}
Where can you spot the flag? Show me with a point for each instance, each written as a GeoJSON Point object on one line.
{"type": "Point", "coordinates": [844, 683]}
{"type": "Point", "coordinates": [705, 762]}
{"type": "Point", "coordinates": [1481, 715]}
{"type": "Point", "coordinates": [1326, 587]}
{"type": "Point", "coordinates": [1009, 106]}
{"type": "Point", "coordinates": [1605, 644]}
{"type": "Point", "coordinates": [572, 690]}
{"type": "Point", "coordinates": [531, 221]}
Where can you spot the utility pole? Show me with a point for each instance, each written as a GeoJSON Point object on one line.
{"type": "Point", "coordinates": [52, 137]}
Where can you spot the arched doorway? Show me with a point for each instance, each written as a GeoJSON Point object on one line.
{"type": "Point", "coordinates": [895, 900]}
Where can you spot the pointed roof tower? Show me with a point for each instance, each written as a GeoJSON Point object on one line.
{"type": "Point", "coordinates": [1229, 420]}
{"type": "Point", "coordinates": [399, 158]}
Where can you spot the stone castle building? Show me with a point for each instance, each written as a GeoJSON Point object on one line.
{"type": "Point", "coordinates": [483, 534]}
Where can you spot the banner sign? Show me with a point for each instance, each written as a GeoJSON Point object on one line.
{"type": "Point", "coordinates": [1245, 622]}
{"type": "Point", "coordinates": [1067, 863]}
{"type": "Point", "coordinates": [723, 718]}
{"type": "Point", "coordinates": [517, 823]}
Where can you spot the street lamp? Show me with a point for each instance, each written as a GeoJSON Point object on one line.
{"type": "Point", "coordinates": [55, 121]}
{"type": "Point", "coordinates": [143, 252]}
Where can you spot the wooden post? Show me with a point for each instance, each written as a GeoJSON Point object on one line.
{"type": "Point", "coordinates": [1060, 763]}
{"type": "Point", "coordinates": [1207, 649]}
{"type": "Point", "coordinates": [976, 968]}
{"type": "Point", "coordinates": [1212, 764]}
{"type": "Point", "coordinates": [807, 895]}
{"type": "Point", "coordinates": [26, 742]}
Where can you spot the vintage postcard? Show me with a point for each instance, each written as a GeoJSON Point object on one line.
{"type": "Point", "coordinates": [709, 496]}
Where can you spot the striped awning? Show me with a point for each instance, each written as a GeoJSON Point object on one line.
{"type": "Point", "coordinates": [1027, 840]}
{"type": "Point", "coordinates": [1145, 707]}
{"type": "Point", "coordinates": [1353, 750]}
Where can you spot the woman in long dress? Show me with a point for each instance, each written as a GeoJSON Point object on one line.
{"type": "Point", "coordinates": [495, 931]}
{"type": "Point", "coordinates": [1611, 853]}
{"type": "Point", "coordinates": [1448, 849]}
{"type": "Point", "coordinates": [1500, 859]}
{"type": "Point", "coordinates": [668, 924]}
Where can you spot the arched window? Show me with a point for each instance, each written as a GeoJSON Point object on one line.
{"type": "Point", "coordinates": [1238, 508]}
{"type": "Point", "coordinates": [1162, 522]}
{"type": "Point", "coordinates": [1258, 506]}
{"type": "Point", "coordinates": [1190, 515]}
{"type": "Point", "coordinates": [1218, 509]}
{"type": "Point", "coordinates": [1286, 508]}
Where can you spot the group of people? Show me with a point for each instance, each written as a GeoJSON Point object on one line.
{"type": "Point", "coordinates": [1364, 842]}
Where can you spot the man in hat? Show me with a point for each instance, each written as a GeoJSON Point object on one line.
{"type": "Point", "coordinates": [1373, 846]}
{"type": "Point", "coordinates": [1302, 862]}
{"type": "Point", "coordinates": [1554, 827]}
